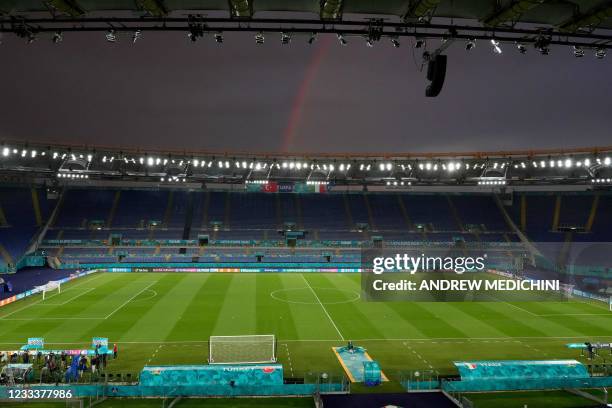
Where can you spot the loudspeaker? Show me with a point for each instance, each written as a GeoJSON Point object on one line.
{"type": "Point", "coordinates": [436, 72]}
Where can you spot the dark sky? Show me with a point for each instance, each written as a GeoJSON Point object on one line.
{"type": "Point", "coordinates": [169, 93]}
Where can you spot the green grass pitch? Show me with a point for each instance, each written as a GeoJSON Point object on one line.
{"type": "Point", "coordinates": [167, 318]}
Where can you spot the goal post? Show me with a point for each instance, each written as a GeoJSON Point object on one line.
{"type": "Point", "coordinates": [250, 349]}
{"type": "Point", "coordinates": [49, 287]}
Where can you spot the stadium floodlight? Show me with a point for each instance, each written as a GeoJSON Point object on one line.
{"type": "Point", "coordinates": [470, 44]}
{"type": "Point", "coordinates": [285, 38]}
{"type": "Point", "coordinates": [496, 48]}
{"type": "Point", "coordinates": [31, 37]}
{"type": "Point", "coordinates": [395, 42]}
{"type": "Point", "coordinates": [312, 38]}
{"type": "Point", "coordinates": [568, 163]}
{"type": "Point", "coordinates": [600, 53]}
{"type": "Point", "coordinates": [6, 152]}
{"type": "Point", "coordinates": [587, 162]}
{"type": "Point", "coordinates": [218, 37]}
{"type": "Point", "coordinates": [111, 36]}
{"type": "Point", "coordinates": [136, 36]}
{"type": "Point", "coordinates": [259, 38]}
{"type": "Point", "coordinates": [342, 39]}
{"type": "Point", "coordinates": [58, 37]}
{"type": "Point", "coordinates": [578, 51]}
{"type": "Point", "coordinates": [607, 161]}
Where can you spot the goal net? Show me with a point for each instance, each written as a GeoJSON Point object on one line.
{"type": "Point", "coordinates": [49, 287]}
{"type": "Point", "coordinates": [242, 349]}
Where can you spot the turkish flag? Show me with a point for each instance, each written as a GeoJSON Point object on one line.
{"type": "Point", "coordinates": [271, 187]}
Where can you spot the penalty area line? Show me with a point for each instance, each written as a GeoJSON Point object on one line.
{"type": "Point", "coordinates": [129, 300]}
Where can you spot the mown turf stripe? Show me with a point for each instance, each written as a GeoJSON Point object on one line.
{"type": "Point", "coordinates": [309, 319]}
{"type": "Point", "coordinates": [427, 322]}
{"type": "Point", "coordinates": [201, 315]}
{"type": "Point", "coordinates": [111, 290]}
{"type": "Point", "coordinates": [157, 315]}
{"type": "Point", "coordinates": [237, 315]}
{"type": "Point", "coordinates": [118, 291]}
{"type": "Point", "coordinates": [273, 316]}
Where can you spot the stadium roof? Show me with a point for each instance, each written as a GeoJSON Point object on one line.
{"type": "Point", "coordinates": [552, 18]}
{"type": "Point", "coordinates": [543, 23]}
{"type": "Point", "coordinates": [21, 161]}
{"type": "Point", "coordinates": [568, 15]}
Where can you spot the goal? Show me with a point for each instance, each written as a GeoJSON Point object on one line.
{"type": "Point", "coordinates": [49, 287]}
{"type": "Point", "coordinates": [242, 349]}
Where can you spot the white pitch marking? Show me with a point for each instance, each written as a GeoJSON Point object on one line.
{"type": "Point", "coordinates": [575, 314]}
{"type": "Point", "coordinates": [521, 309]}
{"type": "Point", "coordinates": [69, 300]}
{"type": "Point", "coordinates": [356, 340]}
{"type": "Point", "coordinates": [40, 300]}
{"type": "Point", "coordinates": [129, 300]}
{"type": "Point", "coordinates": [289, 358]}
{"type": "Point", "coordinates": [322, 306]}
{"type": "Point", "coordinates": [53, 318]}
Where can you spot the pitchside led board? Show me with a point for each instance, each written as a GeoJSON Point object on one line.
{"type": "Point", "coordinates": [487, 272]}
{"type": "Point", "coordinates": [36, 343]}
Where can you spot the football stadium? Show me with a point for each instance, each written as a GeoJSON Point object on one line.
{"type": "Point", "coordinates": [145, 265]}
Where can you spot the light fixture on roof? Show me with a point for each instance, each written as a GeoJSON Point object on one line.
{"type": "Point", "coordinates": [470, 44]}
{"type": "Point", "coordinates": [542, 44]}
{"type": "Point", "coordinates": [285, 38]}
{"type": "Point", "coordinates": [342, 39]}
{"type": "Point", "coordinates": [111, 36]}
{"type": "Point", "coordinates": [395, 42]}
{"type": "Point", "coordinates": [600, 53]}
{"type": "Point", "coordinates": [31, 37]}
{"type": "Point", "coordinates": [58, 37]}
{"type": "Point", "coordinates": [259, 38]}
{"type": "Point", "coordinates": [136, 36]}
{"type": "Point", "coordinates": [496, 48]}
{"type": "Point", "coordinates": [578, 51]}
{"type": "Point", "coordinates": [218, 37]}
{"type": "Point", "coordinates": [521, 48]}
